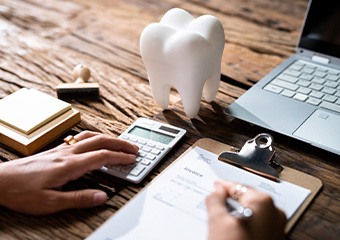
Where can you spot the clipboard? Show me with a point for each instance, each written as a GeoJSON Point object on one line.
{"type": "Point", "coordinates": [288, 174]}
{"type": "Point", "coordinates": [136, 219]}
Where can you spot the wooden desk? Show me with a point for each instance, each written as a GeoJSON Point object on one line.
{"type": "Point", "coordinates": [41, 42]}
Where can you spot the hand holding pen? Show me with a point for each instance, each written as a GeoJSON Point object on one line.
{"type": "Point", "coordinates": [239, 212]}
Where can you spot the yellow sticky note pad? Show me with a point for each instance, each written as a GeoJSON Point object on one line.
{"type": "Point", "coordinates": [29, 119]}
{"type": "Point", "coordinates": [28, 109]}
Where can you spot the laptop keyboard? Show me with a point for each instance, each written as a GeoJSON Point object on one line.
{"type": "Point", "coordinates": [310, 83]}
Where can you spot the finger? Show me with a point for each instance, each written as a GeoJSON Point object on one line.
{"type": "Point", "coordinates": [57, 201]}
{"type": "Point", "coordinates": [96, 159]}
{"type": "Point", "coordinates": [83, 135]}
{"type": "Point", "coordinates": [75, 166]}
{"type": "Point", "coordinates": [228, 186]}
{"type": "Point", "coordinates": [282, 216]}
{"type": "Point", "coordinates": [238, 191]}
{"type": "Point", "coordinates": [102, 141]}
{"type": "Point", "coordinates": [86, 134]}
{"type": "Point", "coordinates": [216, 203]}
{"type": "Point", "coordinates": [248, 196]}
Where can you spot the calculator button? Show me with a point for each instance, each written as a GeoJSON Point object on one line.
{"type": "Point", "coordinates": [104, 168]}
{"type": "Point", "coordinates": [150, 144]}
{"type": "Point", "coordinates": [159, 147]}
{"type": "Point", "coordinates": [141, 141]}
{"type": "Point", "coordinates": [127, 168]}
{"type": "Point", "coordinates": [124, 137]}
{"type": "Point", "coordinates": [133, 139]}
{"type": "Point", "coordinates": [141, 154]}
{"type": "Point", "coordinates": [138, 159]}
{"type": "Point", "coordinates": [146, 149]}
{"type": "Point", "coordinates": [114, 167]}
{"type": "Point", "coordinates": [145, 162]}
{"type": "Point", "coordinates": [155, 151]}
{"type": "Point", "coordinates": [137, 170]}
{"type": "Point", "coordinates": [139, 145]}
{"type": "Point", "coordinates": [150, 156]}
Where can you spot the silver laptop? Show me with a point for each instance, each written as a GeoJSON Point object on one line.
{"type": "Point", "coordinates": [301, 97]}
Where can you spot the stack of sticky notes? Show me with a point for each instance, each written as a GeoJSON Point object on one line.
{"type": "Point", "coordinates": [30, 119]}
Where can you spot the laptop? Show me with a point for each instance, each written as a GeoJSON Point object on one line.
{"type": "Point", "coordinates": [300, 98]}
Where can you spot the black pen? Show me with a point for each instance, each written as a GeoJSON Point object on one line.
{"type": "Point", "coordinates": [237, 210]}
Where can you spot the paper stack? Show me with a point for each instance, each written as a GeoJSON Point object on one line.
{"type": "Point", "coordinates": [30, 119]}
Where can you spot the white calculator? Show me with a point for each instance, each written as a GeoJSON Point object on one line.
{"type": "Point", "coordinates": [154, 139]}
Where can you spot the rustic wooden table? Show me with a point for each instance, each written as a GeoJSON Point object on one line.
{"type": "Point", "coordinates": [41, 42]}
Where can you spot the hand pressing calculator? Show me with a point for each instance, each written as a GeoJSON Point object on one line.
{"type": "Point", "coordinates": [154, 140]}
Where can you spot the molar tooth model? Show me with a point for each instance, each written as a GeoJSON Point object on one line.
{"type": "Point", "coordinates": [184, 53]}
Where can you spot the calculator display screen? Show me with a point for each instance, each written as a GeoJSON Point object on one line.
{"type": "Point", "coordinates": [152, 135]}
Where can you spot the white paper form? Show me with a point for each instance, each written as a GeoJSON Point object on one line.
{"type": "Point", "coordinates": [173, 206]}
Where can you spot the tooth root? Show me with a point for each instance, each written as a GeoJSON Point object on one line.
{"type": "Point", "coordinates": [160, 92]}
{"type": "Point", "coordinates": [191, 106]}
{"type": "Point", "coordinates": [191, 97]}
{"type": "Point", "coordinates": [212, 85]}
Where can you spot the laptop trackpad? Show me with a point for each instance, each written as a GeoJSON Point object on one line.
{"type": "Point", "coordinates": [321, 128]}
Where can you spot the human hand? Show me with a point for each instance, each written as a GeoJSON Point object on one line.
{"type": "Point", "coordinates": [266, 223]}
{"type": "Point", "coordinates": [30, 185]}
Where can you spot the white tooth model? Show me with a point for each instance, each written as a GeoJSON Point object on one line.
{"type": "Point", "coordinates": [184, 53]}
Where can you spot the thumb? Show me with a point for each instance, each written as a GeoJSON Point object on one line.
{"type": "Point", "coordinates": [78, 199]}
{"type": "Point", "coordinates": [215, 202]}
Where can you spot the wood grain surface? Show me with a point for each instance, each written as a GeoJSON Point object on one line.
{"type": "Point", "coordinates": [41, 42]}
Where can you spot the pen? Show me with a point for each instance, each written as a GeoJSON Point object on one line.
{"type": "Point", "coordinates": [237, 210]}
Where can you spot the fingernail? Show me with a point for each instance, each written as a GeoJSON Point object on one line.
{"type": "Point", "coordinates": [135, 146]}
{"type": "Point", "coordinates": [99, 198]}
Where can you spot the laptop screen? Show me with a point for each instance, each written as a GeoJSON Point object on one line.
{"type": "Point", "coordinates": [321, 29]}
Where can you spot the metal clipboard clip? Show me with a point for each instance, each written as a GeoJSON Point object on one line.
{"type": "Point", "coordinates": [257, 156]}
